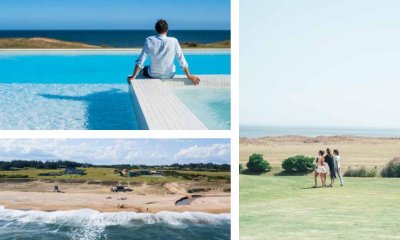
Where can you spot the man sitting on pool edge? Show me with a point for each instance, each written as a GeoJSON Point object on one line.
{"type": "Point", "coordinates": [162, 51]}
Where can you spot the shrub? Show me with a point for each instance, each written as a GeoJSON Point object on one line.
{"type": "Point", "coordinates": [240, 167]}
{"type": "Point", "coordinates": [392, 168]}
{"type": "Point", "coordinates": [299, 164]}
{"type": "Point", "coordinates": [14, 176]}
{"type": "Point", "coordinates": [361, 172]}
{"type": "Point", "coordinates": [257, 164]}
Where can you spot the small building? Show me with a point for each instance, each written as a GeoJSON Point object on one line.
{"type": "Point", "coordinates": [73, 171]}
{"type": "Point", "coordinates": [144, 173]}
{"type": "Point", "coordinates": [157, 174]}
{"type": "Point", "coordinates": [133, 174]}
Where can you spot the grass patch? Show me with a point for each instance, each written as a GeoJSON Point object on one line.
{"type": "Point", "coordinates": [221, 44]}
{"type": "Point", "coordinates": [107, 174]}
{"type": "Point", "coordinates": [41, 43]}
{"type": "Point", "coordinates": [14, 176]}
{"type": "Point", "coordinates": [286, 207]}
{"type": "Point", "coordinates": [49, 43]}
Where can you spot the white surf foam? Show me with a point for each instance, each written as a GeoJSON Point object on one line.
{"type": "Point", "coordinates": [89, 217]}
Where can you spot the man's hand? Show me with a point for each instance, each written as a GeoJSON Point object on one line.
{"type": "Point", "coordinates": [130, 77]}
{"type": "Point", "coordinates": [135, 73]}
{"type": "Point", "coordinates": [194, 79]}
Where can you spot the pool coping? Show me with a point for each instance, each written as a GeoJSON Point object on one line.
{"type": "Point", "coordinates": [158, 108]}
{"type": "Point", "coordinates": [106, 51]}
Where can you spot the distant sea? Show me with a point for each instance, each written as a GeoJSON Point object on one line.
{"type": "Point", "coordinates": [263, 131]}
{"type": "Point", "coordinates": [119, 38]}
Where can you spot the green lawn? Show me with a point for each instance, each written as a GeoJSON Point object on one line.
{"type": "Point", "coordinates": [285, 207]}
{"type": "Point", "coordinates": [107, 174]}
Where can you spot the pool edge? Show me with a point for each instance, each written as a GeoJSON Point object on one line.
{"type": "Point", "coordinates": [158, 108]}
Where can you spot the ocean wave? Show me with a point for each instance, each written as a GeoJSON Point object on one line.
{"type": "Point", "coordinates": [89, 217]}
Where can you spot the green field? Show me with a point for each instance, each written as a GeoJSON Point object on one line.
{"type": "Point", "coordinates": [107, 174]}
{"type": "Point", "coordinates": [285, 207]}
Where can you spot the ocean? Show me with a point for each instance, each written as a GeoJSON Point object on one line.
{"type": "Point", "coordinates": [86, 224]}
{"type": "Point", "coordinates": [119, 38]}
{"type": "Point", "coordinates": [263, 131]}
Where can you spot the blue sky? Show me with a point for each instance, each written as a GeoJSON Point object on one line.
{"type": "Point", "coordinates": [320, 63]}
{"type": "Point", "coordinates": [119, 151]}
{"type": "Point", "coordinates": [116, 14]}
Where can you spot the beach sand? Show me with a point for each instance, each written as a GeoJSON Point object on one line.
{"type": "Point", "coordinates": [354, 151]}
{"type": "Point", "coordinates": [38, 195]}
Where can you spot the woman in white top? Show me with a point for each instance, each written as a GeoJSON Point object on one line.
{"type": "Point", "coordinates": [336, 161]}
{"type": "Point", "coordinates": [320, 168]}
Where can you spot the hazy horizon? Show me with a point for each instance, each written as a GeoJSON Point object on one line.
{"type": "Point", "coordinates": [112, 30]}
{"type": "Point", "coordinates": [254, 131]}
{"type": "Point", "coordinates": [317, 126]}
{"type": "Point", "coordinates": [319, 63]}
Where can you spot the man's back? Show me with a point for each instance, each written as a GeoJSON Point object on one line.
{"type": "Point", "coordinates": [162, 51]}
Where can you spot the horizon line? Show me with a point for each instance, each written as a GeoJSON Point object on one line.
{"type": "Point", "coordinates": [318, 126]}
{"type": "Point", "coordinates": [96, 164]}
{"type": "Point", "coordinates": [95, 29]}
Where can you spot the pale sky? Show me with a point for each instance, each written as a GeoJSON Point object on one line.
{"type": "Point", "coordinates": [320, 63]}
{"type": "Point", "coordinates": [115, 14]}
{"type": "Point", "coordinates": [118, 151]}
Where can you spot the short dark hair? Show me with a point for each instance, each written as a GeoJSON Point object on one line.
{"type": "Point", "coordinates": [321, 152]}
{"type": "Point", "coordinates": [336, 151]}
{"type": "Point", "coordinates": [161, 26]}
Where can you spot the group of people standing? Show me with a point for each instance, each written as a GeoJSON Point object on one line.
{"type": "Point", "coordinates": [325, 163]}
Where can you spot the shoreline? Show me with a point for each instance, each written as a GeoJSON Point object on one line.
{"type": "Point", "coordinates": [52, 43]}
{"type": "Point", "coordinates": [327, 137]}
{"type": "Point", "coordinates": [227, 214]}
{"type": "Point", "coordinates": [104, 51]}
{"type": "Point", "coordinates": [260, 131]}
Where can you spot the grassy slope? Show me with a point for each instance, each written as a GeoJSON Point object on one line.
{"type": "Point", "coordinates": [107, 174]}
{"type": "Point", "coordinates": [21, 43]}
{"type": "Point", "coordinates": [221, 44]}
{"type": "Point", "coordinates": [40, 43]}
{"type": "Point", "coordinates": [273, 207]}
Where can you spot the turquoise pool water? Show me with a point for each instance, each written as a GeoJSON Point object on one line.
{"type": "Point", "coordinates": [212, 106]}
{"type": "Point", "coordinates": [92, 68]}
{"type": "Point", "coordinates": [66, 106]}
{"type": "Point", "coordinates": [79, 90]}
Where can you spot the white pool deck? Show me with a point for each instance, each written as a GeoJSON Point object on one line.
{"type": "Point", "coordinates": [157, 107]}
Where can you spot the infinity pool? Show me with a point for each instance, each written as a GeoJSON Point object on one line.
{"type": "Point", "coordinates": [210, 105]}
{"type": "Point", "coordinates": [88, 90]}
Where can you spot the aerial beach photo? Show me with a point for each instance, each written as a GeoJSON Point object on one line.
{"type": "Point", "coordinates": [63, 71]}
{"type": "Point", "coordinates": [115, 188]}
{"type": "Point", "coordinates": [319, 126]}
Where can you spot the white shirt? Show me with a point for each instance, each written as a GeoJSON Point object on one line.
{"type": "Point", "coordinates": [162, 51]}
{"type": "Point", "coordinates": [336, 160]}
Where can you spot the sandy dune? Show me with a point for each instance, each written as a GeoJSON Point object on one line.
{"type": "Point", "coordinates": [39, 196]}
{"type": "Point", "coordinates": [355, 151]}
